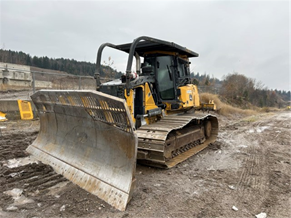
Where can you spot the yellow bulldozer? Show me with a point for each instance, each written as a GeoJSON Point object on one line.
{"type": "Point", "coordinates": [154, 117]}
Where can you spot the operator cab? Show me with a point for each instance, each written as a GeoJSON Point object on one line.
{"type": "Point", "coordinates": [165, 66]}
{"type": "Point", "coordinates": [170, 72]}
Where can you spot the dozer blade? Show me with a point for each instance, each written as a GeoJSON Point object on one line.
{"type": "Point", "coordinates": [89, 138]}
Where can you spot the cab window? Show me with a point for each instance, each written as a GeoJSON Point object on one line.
{"type": "Point", "coordinates": [165, 77]}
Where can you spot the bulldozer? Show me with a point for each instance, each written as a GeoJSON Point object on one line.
{"type": "Point", "coordinates": [152, 116]}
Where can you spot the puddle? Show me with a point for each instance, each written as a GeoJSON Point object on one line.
{"type": "Point", "coordinates": [261, 129]}
{"type": "Point", "coordinates": [258, 129]}
{"type": "Point", "coordinates": [12, 163]}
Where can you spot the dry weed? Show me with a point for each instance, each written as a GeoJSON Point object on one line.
{"type": "Point", "coordinates": [223, 108]}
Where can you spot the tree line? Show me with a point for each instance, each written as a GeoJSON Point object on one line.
{"type": "Point", "coordinates": [60, 64]}
{"type": "Point", "coordinates": [239, 89]}
{"type": "Point", "coordinates": [235, 87]}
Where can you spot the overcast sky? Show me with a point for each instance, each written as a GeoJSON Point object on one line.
{"type": "Point", "coordinates": [247, 37]}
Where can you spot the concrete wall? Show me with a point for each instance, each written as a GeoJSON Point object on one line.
{"type": "Point", "coordinates": [15, 67]}
{"type": "Point", "coordinates": [20, 83]}
{"type": "Point", "coordinates": [15, 75]}
{"type": "Point", "coordinates": [43, 84]}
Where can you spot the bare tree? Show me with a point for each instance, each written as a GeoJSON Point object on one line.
{"type": "Point", "coordinates": [108, 68]}
{"type": "Point", "coordinates": [237, 86]}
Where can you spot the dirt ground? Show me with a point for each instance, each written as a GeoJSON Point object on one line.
{"type": "Point", "coordinates": [246, 172]}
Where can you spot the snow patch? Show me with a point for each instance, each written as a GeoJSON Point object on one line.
{"type": "Point", "coordinates": [19, 199]}
{"type": "Point", "coordinates": [13, 163]}
{"type": "Point", "coordinates": [258, 129]}
{"type": "Point", "coordinates": [113, 82]}
{"type": "Point", "coordinates": [234, 208]}
{"type": "Point", "coordinates": [54, 190]}
{"type": "Point", "coordinates": [261, 215]}
{"type": "Point", "coordinates": [11, 208]}
{"type": "Point", "coordinates": [261, 129]}
{"type": "Point", "coordinates": [16, 174]}
{"type": "Point", "coordinates": [63, 208]}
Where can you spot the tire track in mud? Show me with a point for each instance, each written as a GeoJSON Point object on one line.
{"type": "Point", "coordinates": [258, 184]}
{"type": "Point", "coordinates": [252, 183]}
{"type": "Point", "coordinates": [258, 167]}
{"type": "Point", "coordinates": [33, 178]}
{"type": "Point", "coordinates": [251, 186]}
{"type": "Point", "coordinates": [279, 144]}
{"type": "Point", "coordinates": [14, 145]}
{"type": "Point", "coordinates": [30, 178]}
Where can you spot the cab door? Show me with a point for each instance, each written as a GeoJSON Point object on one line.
{"type": "Point", "coordinates": [165, 77]}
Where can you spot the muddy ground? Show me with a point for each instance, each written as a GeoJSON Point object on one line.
{"type": "Point", "coordinates": [246, 172]}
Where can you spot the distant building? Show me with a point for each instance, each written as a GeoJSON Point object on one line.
{"type": "Point", "coordinates": [15, 75]}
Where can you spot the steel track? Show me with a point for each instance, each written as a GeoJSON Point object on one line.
{"type": "Point", "coordinates": [174, 139]}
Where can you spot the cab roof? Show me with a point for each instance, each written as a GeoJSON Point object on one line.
{"type": "Point", "coordinates": [157, 45]}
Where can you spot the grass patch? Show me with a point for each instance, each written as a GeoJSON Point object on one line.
{"type": "Point", "coordinates": [223, 108]}
{"type": "Point", "coordinates": [250, 119]}
{"type": "Point", "coordinates": [270, 109]}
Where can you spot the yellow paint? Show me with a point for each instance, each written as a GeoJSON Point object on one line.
{"type": "Point", "coordinates": [62, 100]}
{"type": "Point", "coordinates": [104, 106]}
{"type": "Point", "coordinates": [72, 101]}
{"type": "Point", "coordinates": [209, 106]}
{"type": "Point", "coordinates": [2, 116]}
{"type": "Point", "coordinates": [84, 99]}
{"type": "Point", "coordinates": [130, 102]}
{"type": "Point", "coordinates": [149, 101]}
{"type": "Point", "coordinates": [106, 111]}
{"type": "Point", "coordinates": [168, 108]}
{"type": "Point", "coordinates": [185, 57]}
{"type": "Point", "coordinates": [161, 52]}
{"type": "Point", "coordinates": [189, 96]}
{"type": "Point", "coordinates": [25, 110]}
{"type": "Point", "coordinates": [213, 105]}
